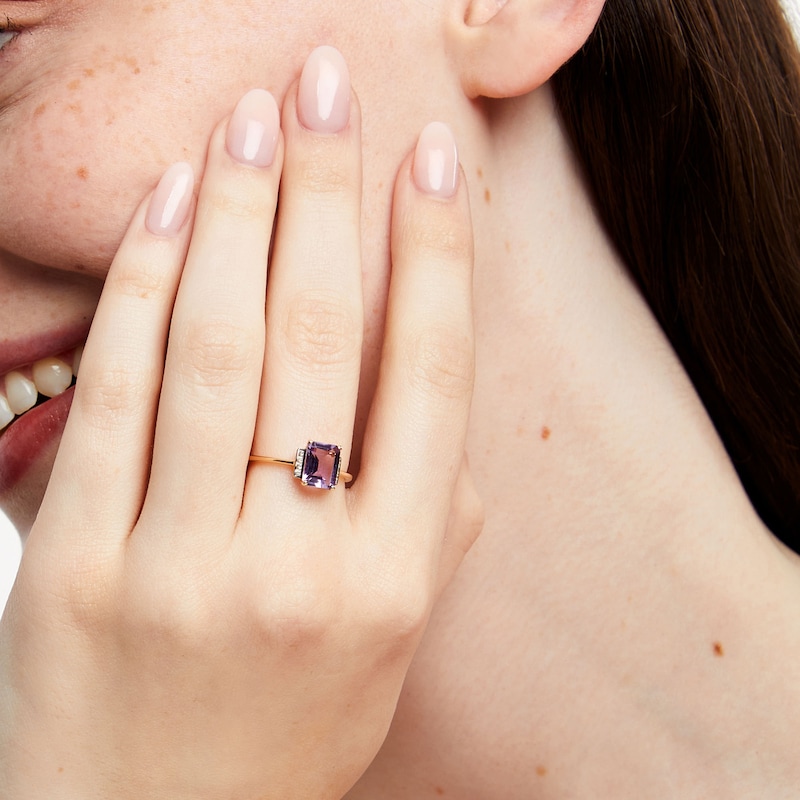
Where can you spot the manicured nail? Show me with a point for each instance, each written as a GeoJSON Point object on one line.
{"type": "Point", "coordinates": [253, 129]}
{"type": "Point", "coordinates": [323, 99]}
{"type": "Point", "coordinates": [436, 161]}
{"type": "Point", "coordinates": [169, 205]}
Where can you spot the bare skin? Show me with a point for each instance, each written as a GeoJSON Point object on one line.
{"type": "Point", "coordinates": [625, 626]}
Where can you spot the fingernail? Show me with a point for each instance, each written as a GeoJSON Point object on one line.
{"type": "Point", "coordinates": [253, 129]}
{"type": "Point", "coordinates": [169, 205]}
{"type": "Point", "coordinates": [436, 161]}
{"type": "Point", "coordinates": [323, 99]}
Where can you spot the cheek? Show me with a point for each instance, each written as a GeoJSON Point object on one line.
{"type": "Point", "coordinates": [79, 157]}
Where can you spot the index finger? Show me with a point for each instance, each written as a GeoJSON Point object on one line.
{"type": "Point", "coordinates": [103, 460]}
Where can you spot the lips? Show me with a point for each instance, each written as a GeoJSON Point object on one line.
{"type": "Point", "coordinates": [32, 433]}
{"type": "Point", "coordinates": [41, 345]}
{"type": "Point", "coordinates": [24, 441]}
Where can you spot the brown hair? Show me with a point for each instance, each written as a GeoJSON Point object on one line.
{"type": "Point", "coordinates": [684, 114]}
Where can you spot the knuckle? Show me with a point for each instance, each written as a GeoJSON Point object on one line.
{"type": "Point", "coordinates": [447, 242]}
{"type": "Point", "coordinates": [83, 583]}
{"type": "Point", "coordinates": [240, 201]}
{"type": "Point", "coordinates": [298, 617]}
{"type": "Point", "coordinates": [167, 612]}
{"type": "Point", "coordinates": [398, 609]}
{"type": "Point", "coordinates": [442, 362]}
{"type": "Point", "coordinates": [318, 172]}
{"type": "Point", "coordinates": [141, 281]}
{"type": "Point", "coordinates": [321, 331]}
{"type": "Point", "coordinates": [107, 389]}
{"type": "Point", "coordinates": [216, 352]}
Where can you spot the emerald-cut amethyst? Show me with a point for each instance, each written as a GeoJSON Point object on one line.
{"type": "Point", "coordinates": [321, 465]}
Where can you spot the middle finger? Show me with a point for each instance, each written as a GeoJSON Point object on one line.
{"type": "Point", "coordinates": [314, 299]}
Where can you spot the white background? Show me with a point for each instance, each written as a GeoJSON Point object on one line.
{"type": "Point", "coordinates": [9, 543]}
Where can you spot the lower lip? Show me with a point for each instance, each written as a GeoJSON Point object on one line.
{"type": "Point", "coordinates": [23, 442]}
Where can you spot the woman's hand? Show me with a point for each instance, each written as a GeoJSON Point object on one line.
{"type": "Point", "coordinates": [186, 624]}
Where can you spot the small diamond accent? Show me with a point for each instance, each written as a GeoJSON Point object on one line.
{"type": "Point", "coordinates": [298, 463]}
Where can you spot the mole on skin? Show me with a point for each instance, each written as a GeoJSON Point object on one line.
{"type": "Point", "coordinates": [719, 651]}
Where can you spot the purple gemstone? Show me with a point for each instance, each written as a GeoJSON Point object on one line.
{"type": "Point", "coordinates": [321, 465]}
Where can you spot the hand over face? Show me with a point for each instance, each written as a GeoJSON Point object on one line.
{"type": "Point", "coordinates": [187, 624]}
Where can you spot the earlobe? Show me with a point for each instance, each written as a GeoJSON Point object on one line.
{"type": "Point", "coordinates": [506, 48]}
{"type": "Point", "coordinates": [479, 12]}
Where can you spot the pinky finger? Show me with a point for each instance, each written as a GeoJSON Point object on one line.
{"type": "Point", "coordinates": [103, 461]}
{"type": "Point", "coordinates": [421, 407]}
{"type": "Point", "coordinates": [464, 525]}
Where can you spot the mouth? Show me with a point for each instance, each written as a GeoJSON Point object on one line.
{"type": "Point", "coordinates": [36, 380]}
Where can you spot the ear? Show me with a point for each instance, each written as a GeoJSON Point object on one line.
{"type": "Point", "coordinates": [506, 48]}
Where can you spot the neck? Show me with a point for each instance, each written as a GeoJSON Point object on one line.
{"type": "Point", "coordinates": [591, 390]}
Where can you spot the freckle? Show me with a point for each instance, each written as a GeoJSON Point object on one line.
{"type": "Point", "coordinates": [520, 430]}
{"type": "Point", "coordinates": [480, 172]}
{"type": "Point", "coordinates": [487, 196]}
{"type": "Point", "coordinates": [439, 791]}
{"type": "Point", "coordinates": [719, 651]}
{"type": "Point", "coordinates": [187, 80]}
{"type": "Point", "coordinates": [73, 85]}
{"type": "Point", "coordinates": [541, 771]}
{"type": "Point", "coordinates": [39, 110]}
{"type": "Point", "coordinates": [75, 204]}
{"type": "Point", "coordinates": [75, 108]}
{"type": "Point", "coordinates": [508, 247]}
{"type": "Point", "coordinates": [61, 769]}
{"type": "Point", "coordinates": [89, 73]}
{"type": "Point", "coordinates": [545, 433]}
{"type": "Point", "coordinates": [82, 173]}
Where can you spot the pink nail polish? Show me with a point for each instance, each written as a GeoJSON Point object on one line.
{"type": "Point", "coordinates": [436, 161]}
{"type": "Point", "coordinates": [323, 98]}
{"type": "Point", "coordinates": [252, 136]}
{"type": "Point", "coordinates": [169, 205]}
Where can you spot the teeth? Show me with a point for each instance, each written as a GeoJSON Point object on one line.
{"type": "Point", "coordinates": [51, 376]}
{"type": "Point", "coordinates": [21, 389]}
{"type": "Point", "coordinates": [6, 414]}
{"type": "Point", "coordinates": [21, 393]}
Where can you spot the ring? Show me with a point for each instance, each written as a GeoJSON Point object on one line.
{"type": "Point", "coordinates": [317, 465]}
